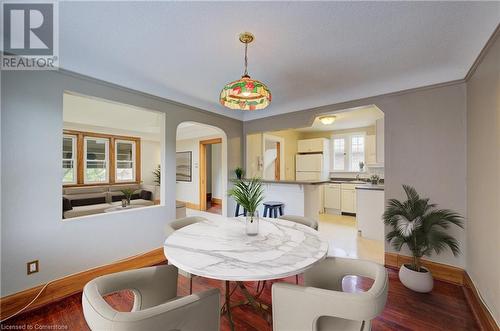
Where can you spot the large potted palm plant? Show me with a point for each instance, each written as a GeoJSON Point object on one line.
{"type": "Point", "coordinates": [249, 194]}
{"type": "Point", "coordinates": [420, 226]}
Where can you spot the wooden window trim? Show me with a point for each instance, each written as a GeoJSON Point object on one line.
{"type": "Point", "coordinates": [81, 135]}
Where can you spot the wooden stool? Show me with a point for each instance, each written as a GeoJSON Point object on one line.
{"type": "Point", "coordinates": [273, 207]}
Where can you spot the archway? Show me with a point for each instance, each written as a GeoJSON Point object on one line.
{"type": "Point", "coordinates": [201, 167]}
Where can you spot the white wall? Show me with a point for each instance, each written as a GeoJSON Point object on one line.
{"type": "Point", "coordinates": [483, 179]}
{"type": "Point", "coordinates": [31, 225]}
{"type": "Point", "coordinates": [190, 191]}
{"type": "Point", "coordinates": [150, 159]}
{"type": "Point", "coordinates": [217, 191]}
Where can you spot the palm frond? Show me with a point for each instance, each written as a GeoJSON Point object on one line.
{"type": "Point", "coordinates": [438, 241]}
{"type": "Point", "coordinates": [417, 224]}
{"type": "Point", "coordinates": [249, 194]}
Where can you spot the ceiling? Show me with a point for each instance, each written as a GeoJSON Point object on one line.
{"type": "Point", "coordinates": [191, 130]}
{"type": "Point", "coordinates": [103, 116]}
{"type": "Point", "coordinates": [348, 119]}
{"type": "Point", "coordinates": [308, 53]}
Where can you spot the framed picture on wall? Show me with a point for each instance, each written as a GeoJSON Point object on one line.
{"type": "Point", "coordinates": [183, 172]}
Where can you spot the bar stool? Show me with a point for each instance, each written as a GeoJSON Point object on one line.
{"type": "Point", "coordinates": [237, 212]}
{"type": "Point", "coordinates": [273, 207]}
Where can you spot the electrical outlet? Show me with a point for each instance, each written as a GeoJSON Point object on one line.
{"type": "Point", "coordinates": [32, 267]}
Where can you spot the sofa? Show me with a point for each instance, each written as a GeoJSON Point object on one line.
{"type": "Point", "coordinates": [90, 200]}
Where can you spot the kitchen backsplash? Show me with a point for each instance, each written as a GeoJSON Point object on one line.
{"type": "Point", "coordinates": [365, 174]}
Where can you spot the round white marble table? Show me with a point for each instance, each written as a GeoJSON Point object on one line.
{"type": "Point", "coordinates": [220, 249]}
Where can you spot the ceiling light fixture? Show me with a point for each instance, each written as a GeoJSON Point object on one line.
{"type": "Point", "coordinates": [245, 93]}
{"type": "Point", "coordinates": [327, 120]}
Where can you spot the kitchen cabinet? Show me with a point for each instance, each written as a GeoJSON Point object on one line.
{"type": "Point", "coordinates": [316, 145]}
{"type": "Point", "coordinates": [348, 198]}
{"type": "Point", "coordinates": [370, 208]}
{"type": "Point", "coordinates": [374, 146]}
{"type": "Point", "coordinates": [371, 149]}
{"type": "Point", "coordinates": [332, 196]}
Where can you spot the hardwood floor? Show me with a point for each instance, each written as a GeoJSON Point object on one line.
{"type": "Point", "coordinates": [443, 309]}
{"type": "Point", "coordinates": [215, 208]}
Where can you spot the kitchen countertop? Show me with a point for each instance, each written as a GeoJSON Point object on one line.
{"type": "Point", "coordinates": [366, 186]}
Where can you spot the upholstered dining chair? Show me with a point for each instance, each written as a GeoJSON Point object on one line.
{"type": "Point", "coordinates": [179, 224]}
{"type": "Point", "coordinates": [322, 305]}
{"type": "Point", "coordinates": [156, 305]}
{"type": "Point", "coordinates": [307, 221]}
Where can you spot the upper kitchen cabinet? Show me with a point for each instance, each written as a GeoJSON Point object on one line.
{"type": "Point", "coordinates": [374, 154]}
{"type": "Point", "coordinates": [317, 145]}
{"type": "Point", "coordinates": [380, 141]}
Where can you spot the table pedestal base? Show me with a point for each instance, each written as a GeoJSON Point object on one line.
{"type": "Point", "coordinates": [252, 300]}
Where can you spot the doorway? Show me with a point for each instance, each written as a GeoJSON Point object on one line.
{"type": "Point", "coordinates": [211, 175]}
{"type": "Point", "coordinates": [273, 156]}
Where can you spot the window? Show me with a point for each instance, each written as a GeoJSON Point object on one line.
{"type": "Point", "coordinates": [125, 161]}
{"type": "Point", "coordinates": [357, 151]}
{"type": "Point", "coordinates": [105, 158]}
{"type": "Point", "coordinates": [339, 155]}
{"type": "Point", "coordinates": [96, 151]}
{"type": "Point", "coordinates": [348, 152]}
{"type": "Point", "coordinates": [69, 159]}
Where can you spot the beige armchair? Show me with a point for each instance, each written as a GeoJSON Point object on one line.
{"type": "Point", "coordinates": [156, 305]}
{"type": "Point", "coordinates": [321, 305]}
{"type": "Point", "coordinates": [312, 223]}
{"type": "Point", "coordinates": [179, 224]}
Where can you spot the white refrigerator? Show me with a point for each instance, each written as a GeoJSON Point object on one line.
{"type": "Point", "coordinates": [309, 167]}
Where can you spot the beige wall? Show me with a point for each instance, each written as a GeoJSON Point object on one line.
{"type": "Point", "coordinates": [425, 145]}
{"type": "Point", "coordinates": [483, 178]}
{"type": "Point", "coordinates": [253, 155]}
{"type": "Point", "coordinates": [32, 104]}
{"type": "Point", "coordinates": [290, 138]}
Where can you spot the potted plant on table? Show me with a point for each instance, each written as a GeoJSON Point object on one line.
{"type": "Point", "coordinates": [249, 194]}
{"type": "Point", "coordinates": [420, 226]}
{"type": "Point", "coordinates": [127, 192]}
{"type": "Point", "coordinates": [239, 172]}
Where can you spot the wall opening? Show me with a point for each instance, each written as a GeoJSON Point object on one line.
{"type": "Point", "coordinates": [111, 156]}
{"type": "Point", "coordinates": [201, 168]}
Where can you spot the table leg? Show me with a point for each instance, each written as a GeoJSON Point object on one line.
{"type": "Point", "coordinates": [228, 306]}
{"type": "Point", "coordinates": [260, 307]}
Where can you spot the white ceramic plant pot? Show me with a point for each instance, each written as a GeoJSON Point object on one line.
{"type": "Point", "coordinates": [417, 281]}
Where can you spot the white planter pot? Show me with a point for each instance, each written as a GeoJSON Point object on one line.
{"type": "Point", "coordinates": [417, 281]}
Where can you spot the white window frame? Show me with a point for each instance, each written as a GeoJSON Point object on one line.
{"type": "Point", "coordinates": [347, 150]}
{"type": "Point", "coordinates": [134, 146]}
{"type": "Point", "coordinates": [346, 159]}
{"type": "Point", "coordinates": [106, 159]}
{"type": "Point", "coordinates": [74, 158]}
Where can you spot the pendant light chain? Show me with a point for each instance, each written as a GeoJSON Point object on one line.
{"type": "Point", "coordinates": [246, 60]}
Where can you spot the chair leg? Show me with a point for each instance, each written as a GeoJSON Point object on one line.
{"type": "Point", "coordinates": [237, 212]}
{"type": "Point", "coordinates": [265, 211]}
{"type": "Point", "coordinates": [281, 210]}
{"type": "Point", "coordinates": [297, 279]}
{"type": "Point", "coordinates": [191, 285]}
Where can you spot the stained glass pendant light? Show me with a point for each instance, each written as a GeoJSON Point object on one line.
{"type": "Point", "coordinates": [245, 93]}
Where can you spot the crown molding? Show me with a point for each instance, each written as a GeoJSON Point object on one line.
{"type": "Point", "coordinates": [483, 53]}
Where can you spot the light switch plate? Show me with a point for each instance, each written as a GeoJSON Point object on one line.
{"type": "Point", "coordinates": [32, 267]}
